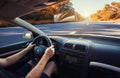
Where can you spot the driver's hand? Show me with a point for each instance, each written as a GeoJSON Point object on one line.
{"type": "Point", "coordinates": [30, 46]}
{"type": "Point", "coordinates": [49, 52]}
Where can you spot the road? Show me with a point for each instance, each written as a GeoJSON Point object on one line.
{"type": "Point", "coordinates": [14, 34]}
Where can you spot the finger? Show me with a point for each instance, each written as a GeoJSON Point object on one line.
{"type": "Point", "coordinates": [33, 44]}
{"type": "Point", "coordinates": [52, 50]}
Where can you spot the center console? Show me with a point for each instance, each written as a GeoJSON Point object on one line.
{"type": "Point", "coordinates": [74, 59]}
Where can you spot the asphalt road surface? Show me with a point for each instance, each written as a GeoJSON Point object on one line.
{"type": "Point", "coordinates": [10, 35]}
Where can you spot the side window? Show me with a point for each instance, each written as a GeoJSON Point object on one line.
{"type": "Point", "coordinates": [11, 35]}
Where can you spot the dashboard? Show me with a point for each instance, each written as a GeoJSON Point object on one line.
{"type": "Point", "coordinates": [78, 53]}
{"type": "Point", "coordinates": [72, 54]}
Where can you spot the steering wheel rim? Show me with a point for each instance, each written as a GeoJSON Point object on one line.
{"type": "Point", "coordinates": [39, 50]}
{"type": "Point", "coordinates": [44, 37]}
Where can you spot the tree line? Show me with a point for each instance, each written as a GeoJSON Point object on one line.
{"type": "Point", "coordinates": [108, 13]}
{"type": "Point", "coordinates": [46, 15]}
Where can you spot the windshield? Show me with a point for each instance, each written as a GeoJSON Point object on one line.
{"type": "Point", "coordinates": [76, 17]}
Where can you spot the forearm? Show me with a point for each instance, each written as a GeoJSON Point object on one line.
{"type": "Point", "coordinates": [38, 69]}
{"type": "Point", "coordinates": [14, 58]}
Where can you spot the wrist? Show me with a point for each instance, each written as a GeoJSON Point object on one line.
{"type": "Point", "coordinates": [46, 57]}
{"type": "Point", "coordinates": [26, 49]}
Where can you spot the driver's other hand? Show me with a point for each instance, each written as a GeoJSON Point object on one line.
{"type": "Point", "coordinates": [30, 46]}
{"type": "Point", "coordinates": [49, 52]}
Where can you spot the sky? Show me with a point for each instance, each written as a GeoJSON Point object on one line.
{"type": "Point", "coordinates": [87, 7]}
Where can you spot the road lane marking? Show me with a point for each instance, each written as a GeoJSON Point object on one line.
{"type": "Point", "coordinates": [73, 32]}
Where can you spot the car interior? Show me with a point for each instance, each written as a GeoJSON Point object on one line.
{"type": "Point", "coordinates": [77, 56]}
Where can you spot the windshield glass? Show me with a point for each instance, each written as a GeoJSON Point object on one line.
{"type": "Point", "coordinates": [76, 17]}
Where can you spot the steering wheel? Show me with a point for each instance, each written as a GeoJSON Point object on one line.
{"type": "Point", "coordinates": [40, 48]}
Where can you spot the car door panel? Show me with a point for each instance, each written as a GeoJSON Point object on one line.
{"type": "Point", "coordinates": [12, 48]}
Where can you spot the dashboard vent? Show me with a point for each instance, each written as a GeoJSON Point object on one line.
{"type": "Point", "coordinates": [81, 48]}
{"type": "Point", "coordinates": [68, 45]}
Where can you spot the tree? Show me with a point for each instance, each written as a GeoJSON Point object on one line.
{"type": "Point", "coordinates": [109, 12]}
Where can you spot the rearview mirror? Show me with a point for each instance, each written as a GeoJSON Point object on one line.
{"type": "Point", "coordinates": [28, 35]}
